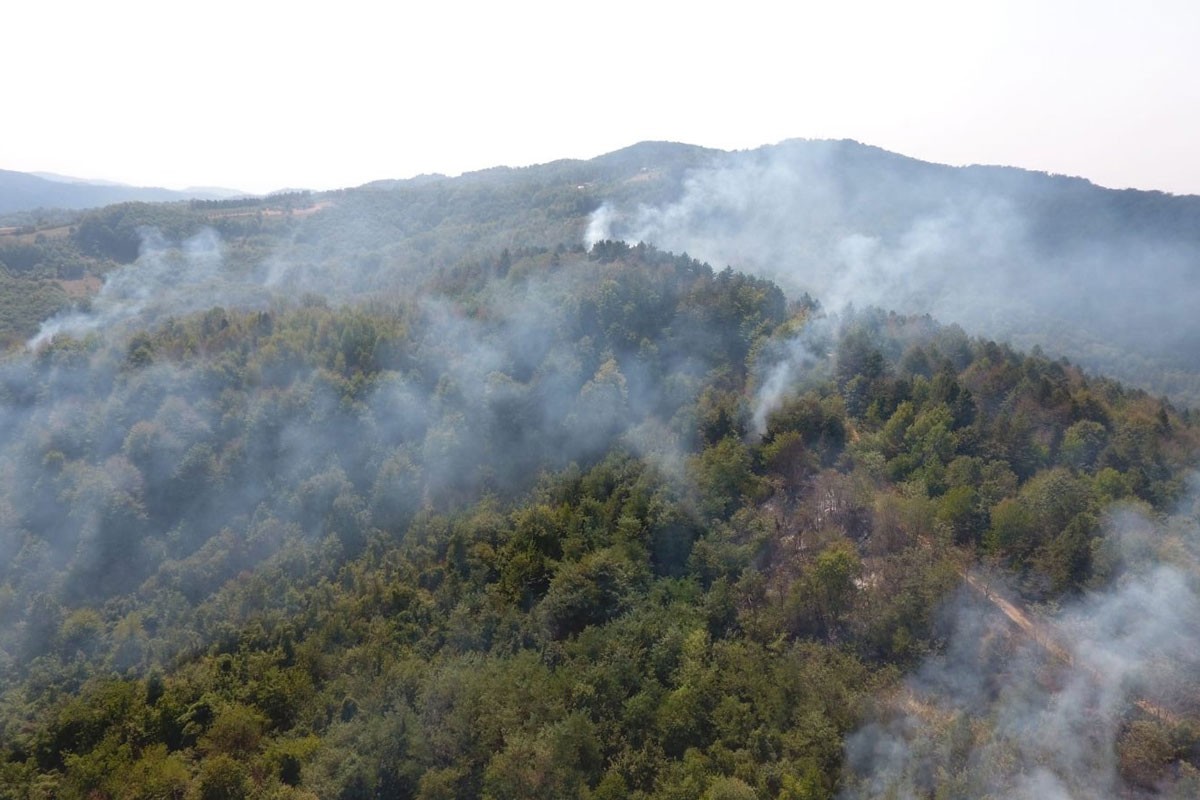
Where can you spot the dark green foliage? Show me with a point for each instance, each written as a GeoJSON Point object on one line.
{"type": "Point", "coordinates": [115, 232]}
{"type": "Point", "coordinates": [724, 477]}
{"type": "Point", "coordinates": [26, 301]}
{"type": "Point", "coordinates": [472, 547]}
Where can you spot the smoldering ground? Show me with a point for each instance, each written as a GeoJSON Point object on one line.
{"type": "Point", "coordinates": [1091, 700]}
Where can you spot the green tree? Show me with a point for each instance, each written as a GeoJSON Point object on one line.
{"type": "Point", "coordinates": [223, 778]}
{"type": "Point", "coordinates": [724, 477]}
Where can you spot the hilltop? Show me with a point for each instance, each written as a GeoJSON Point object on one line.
{"type": "Point", "coordinates": [1106, 278]}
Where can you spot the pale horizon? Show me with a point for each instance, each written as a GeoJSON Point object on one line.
{"type": "Point", "coordinates": [272, 96]}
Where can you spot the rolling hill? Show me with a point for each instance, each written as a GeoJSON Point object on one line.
{"type": "Point", "coordinates": [22, 191]}
{"type": "Point", "coordinates": [459, 488]}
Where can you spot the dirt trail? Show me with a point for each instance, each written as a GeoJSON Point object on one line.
{"type": "Point", "coordinates": [1039, 632]}
{"type": "Point", "coordinates": [1046, 637]}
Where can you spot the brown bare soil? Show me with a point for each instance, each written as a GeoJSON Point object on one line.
{"type": "Point", "coordinates": [79, 288]}
{"type": "Point", "coordinates": [272, 212]}
{"type": "Point", "coordinates": [61, 232]}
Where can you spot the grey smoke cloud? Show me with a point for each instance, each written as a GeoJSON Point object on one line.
{"type": "Point", "coordinates": [119, 475]}
{"type": "Point", "coordinates": [798, 216]}
{"type": "Point", "coordinates": [1099, 276]}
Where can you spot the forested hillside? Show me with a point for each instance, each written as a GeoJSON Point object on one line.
{"type": "Point", "coordinates": [1106, 278]}
{"type": "Point", "coordinates": [541, 523]}
{"type": "Point", "coordinates": [432, 489]}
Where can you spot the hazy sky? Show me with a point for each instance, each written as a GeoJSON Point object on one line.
{"type": "Point", "coordinates": [262, 95]}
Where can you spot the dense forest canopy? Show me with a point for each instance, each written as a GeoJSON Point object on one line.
{"type": "Point", "coordinates": [402, 492]}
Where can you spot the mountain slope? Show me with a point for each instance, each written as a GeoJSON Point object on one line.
{"type": "Point", "coordinates": [401, 491]}
{"type": "Point", "coordinates": [1107, 278]}
{"type": "Point", "coordinates": [602, 525]}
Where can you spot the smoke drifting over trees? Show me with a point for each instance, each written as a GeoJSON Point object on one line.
{"type": "Point", "coordinates": [1087, 701]}
{"type": "Point", "coordinates": [1107, 278]}
{"type": "Point", "coordinates": [400, 491]}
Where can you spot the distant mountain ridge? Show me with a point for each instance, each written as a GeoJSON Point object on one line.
{"type": "Point", "coordinates": [1109, 278]}
{"type": "Point", "coordinates": [23, 191]}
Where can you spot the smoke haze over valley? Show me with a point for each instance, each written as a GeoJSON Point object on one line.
{"type": "Point", "coordinates": [857, 466]}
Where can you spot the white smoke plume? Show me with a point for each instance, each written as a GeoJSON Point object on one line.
{"type": "Point", "coordinates": [793, 215]}
{"type": "Point", "coordinates": [165, 280]}
{"type": "Point", "coordinates": [782, 368]}
{"type": "Point", "coordinates": [600, 225]}
{"type": "Point", "coordinates": [1029, 258]}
